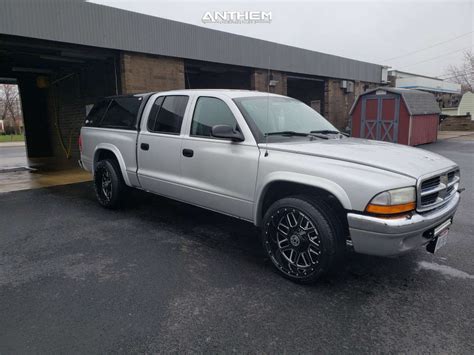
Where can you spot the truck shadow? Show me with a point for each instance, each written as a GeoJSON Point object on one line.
{"type": "Point", "coordinates": [240, 239]}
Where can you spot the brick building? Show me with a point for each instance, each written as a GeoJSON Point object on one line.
{"type": "Point", "coordinates": [64, 55]}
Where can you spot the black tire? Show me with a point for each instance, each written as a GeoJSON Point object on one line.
{"type": "Point", "coordinates": [112, 195]}
{"type": "Point", "coordinates": [314, 243]}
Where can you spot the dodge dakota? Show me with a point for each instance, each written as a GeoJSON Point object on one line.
{"type": "Point", "coordinates": [275, 162]}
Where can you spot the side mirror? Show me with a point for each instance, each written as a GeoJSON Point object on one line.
{"type": "Point", "coordinates": [225, 131]}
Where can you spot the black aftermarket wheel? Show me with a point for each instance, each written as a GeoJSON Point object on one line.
{"type": "Point", "coordinates": [300, 240]}
{"type": "Point", "coordinates": [108, 183]}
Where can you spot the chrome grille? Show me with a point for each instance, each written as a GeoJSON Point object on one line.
{"type": "Point", "coordinates": [430, 183]}
{"type": "Point", "coordinates": [434, 191]}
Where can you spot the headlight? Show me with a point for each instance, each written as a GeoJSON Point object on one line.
{"type": "Point", "coordinates": [393, 201]}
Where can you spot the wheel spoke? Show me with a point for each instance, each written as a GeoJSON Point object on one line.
{"type": "Point", "coordinates": [282, 228]}
{"type": "Point", "coordinates": [292, 221]}
{"type": "Point", "coordinates": [282, 243]}
{"type": "Point", "coordinates": [292, 256]}
{"type": "Point", "coordinates": [314, 241]}
{"type": "Point", "coordinates": [106, 183]}
{"type": "Point", "coordinates": [304, 224]}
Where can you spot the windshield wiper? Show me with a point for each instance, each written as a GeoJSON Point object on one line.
{"type": "Point", "coordinates": [326, 131]}
{"type": "Point", "coordinates": [287, 133]}
{"type": "Point", "coordinates": [296, 134]}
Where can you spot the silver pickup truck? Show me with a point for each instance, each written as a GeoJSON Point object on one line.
{"type": "Point", "coordinates": [275, 162]}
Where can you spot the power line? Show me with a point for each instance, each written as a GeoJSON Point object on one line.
{"type": "Point", "coordinates": [423, 49]}
{"type": "Point", "coordinates": [433, 58]}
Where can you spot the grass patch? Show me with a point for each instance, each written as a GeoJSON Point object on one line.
{"type": "Point", "coordinates": [12, 138]}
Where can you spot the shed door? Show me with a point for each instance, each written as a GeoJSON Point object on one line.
{"type": "Point", "coordinates": [379, 117]}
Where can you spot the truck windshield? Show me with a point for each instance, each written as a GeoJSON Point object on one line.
{"type": "Point", "coordinates": [270, 115]}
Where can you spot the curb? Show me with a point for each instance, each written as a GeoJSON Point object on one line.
{"type": "Point", "coordinates": [11, 144]}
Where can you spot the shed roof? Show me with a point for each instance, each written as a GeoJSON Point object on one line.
{"type": "Point", "coordinates": [417, 102]}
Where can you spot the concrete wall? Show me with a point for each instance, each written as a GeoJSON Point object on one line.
{"type": "Point", "coordinates": [259, 81]}
{"type": "Point", "coordinates": [54, 114]}
{"type": "Point", "coordinates": [34, 102]}
{"type": "Point", "coordinates": [142, 73]}
{"type": "Point", "coordinates": [338, 102]}
{"type": "Point", "coordinates": [66, 113]}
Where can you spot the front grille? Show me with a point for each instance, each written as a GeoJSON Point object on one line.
{"type": "Point", "coordinates": [429, 199]}
{"type": "Point", "coordinates": [430, 183]}
{"type": "Point", "coordinates": [434, 191]}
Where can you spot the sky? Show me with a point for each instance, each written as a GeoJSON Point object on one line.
{"type": "Point", "coordinates": [422, 37]}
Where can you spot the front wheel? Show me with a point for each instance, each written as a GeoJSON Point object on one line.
{"type": "Point", "coordinates": [301, 238]}
{"type": "Point", "coordinates": [108, 183]}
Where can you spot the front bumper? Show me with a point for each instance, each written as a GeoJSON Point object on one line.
{"type": "Point", "coordinates": [386, 237]}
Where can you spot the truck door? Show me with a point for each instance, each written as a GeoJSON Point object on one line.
{"type": "Point", "coordinates": [159, 144]}
{"type": "Point", "coordinates": [219, 174]}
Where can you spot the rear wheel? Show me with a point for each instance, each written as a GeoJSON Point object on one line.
{"type": "Point", "coordinates": [301, 238]}
{"type": "Point", "coordinates": [108, 183]}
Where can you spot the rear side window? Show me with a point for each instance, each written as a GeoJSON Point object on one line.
{"type": "Point", "coordinates": [209, 112]}
{"type": "Point", "coordinates": [154, 113]}
{"type": "Point", "coordinates": [122, 113]}
{"type": "Point", "coordinates": [167, 114]}
{"type": "Point", "coordinates": [97, 113]}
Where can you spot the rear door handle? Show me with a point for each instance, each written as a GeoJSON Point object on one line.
{"type": "Point", "coordinates": [188, 153]}
{"type": "Point", "coordinates": [145, 146]}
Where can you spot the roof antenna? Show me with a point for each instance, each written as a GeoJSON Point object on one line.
{"type": "Point", "coordinates": [268, 106]}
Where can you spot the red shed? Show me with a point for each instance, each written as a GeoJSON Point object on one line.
{"type": "Point", "coordinates": [396, 115]}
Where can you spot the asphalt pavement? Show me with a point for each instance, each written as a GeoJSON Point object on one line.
{"type": "Point", "coordinates": [162, 276]}
{"type": "Point", "coordinates": [12, 155]}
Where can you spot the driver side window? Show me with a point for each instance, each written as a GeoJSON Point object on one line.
{"type": "Point", "coordinates": [211, 111]}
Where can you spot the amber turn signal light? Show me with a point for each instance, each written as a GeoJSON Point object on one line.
{"type": "Point", "coordinates": [394, 209]}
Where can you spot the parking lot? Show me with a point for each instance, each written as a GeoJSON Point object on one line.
{"type": "Point", "coordinates": [161, 276]}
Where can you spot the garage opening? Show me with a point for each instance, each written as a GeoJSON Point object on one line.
{"type": "Point", "coordinates": [308, 90]}
{"type": "Point", "coordinates": [203, 75]}
{"type": "Point", "coordinates": [12, 139]}
{"type": "Point", "coordinates": [57, 83]}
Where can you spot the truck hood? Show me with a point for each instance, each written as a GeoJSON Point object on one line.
{"type": "Point", "coordinates": [401, 159]}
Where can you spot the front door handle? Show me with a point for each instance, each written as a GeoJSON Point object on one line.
{"type": "Point", "coordinates": [145, 146]}
{"type": "Point", "coordinates": [188, 153]}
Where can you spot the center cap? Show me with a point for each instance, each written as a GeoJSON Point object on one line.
{"type": "Point", "coordinates": [295, 240]}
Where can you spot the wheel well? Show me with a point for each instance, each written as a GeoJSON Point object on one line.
{"type": "Point", "coordinates": [103, 154]}
{"type": "Point", "coordinates": [281, 189]}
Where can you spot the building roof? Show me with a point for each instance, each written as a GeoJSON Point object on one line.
{"type": "Point", "coordinates": [426, 83]}
{"type": "Point", "coordinates": [391, 72]}
{"type": "Point", "coordinates": [417, 102]}
{"type": "Point", "coordinates": [80, 22]}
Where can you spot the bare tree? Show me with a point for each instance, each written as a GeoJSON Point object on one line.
{"type": "Point", "coordinates": [463, 74]}
{"type": "Point", "coordinates": [10, 108]}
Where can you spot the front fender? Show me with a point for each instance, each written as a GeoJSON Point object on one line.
{"type": "Point", "coordinates": [303, 179]}
{"type": "Point", "coordinates": [112, 148]}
